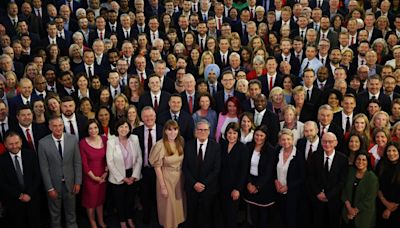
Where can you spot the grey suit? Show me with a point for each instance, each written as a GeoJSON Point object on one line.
{"type": "Point", "coordinates": [61, 174]}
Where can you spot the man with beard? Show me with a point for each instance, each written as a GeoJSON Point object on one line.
{"type": "Point", "coordinates": [122, 69]}
{"type": "Point", "coordinates": [334, 61]}
{"type": "Point", "coordinates": [371, 58]}
{"type": "Point", "coordinates": [263, 116]}
{"type": "Point", "coordinates": [362, 49]}
{"type": "Point", "coordinates": [326, 33]}
{"type": "Point", "coordinates": [113, 57]}
{"type": "Point", "coordinates": [74, 123]}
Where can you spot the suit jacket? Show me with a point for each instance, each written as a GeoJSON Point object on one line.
{"type": "Point", "coordinates": [9, 185]}
{"type": "Point", "coordinates": [185, 122]}
{"type": "Point", "coordinates": [325, 5]}
{"type": "Point", "coordinates": [272, 122]}
{"type": "Point", "coordinates": [234, 167]}
{"type": "Point", "coordinates": [209, 171]}
{"type": "Point", "coordinates": [338, 131]}
{"type": "Point", "coordinates": [219, 99]}
{"type": "Point", "coordinates": [16, 102]}
{"type": "Point", "coordinates": [8, 24]}
{"type": "Point", "coordinates": [332, 36]}
{"type": "Point", "coordinates": [307, 113]}
{"type": "Point", "coordinates": [39, 132]}
{"type": "Point", "coordinates": [121, 35]}
{"type": "Point", "coordinates": [115, 159]}
{"type": "Point", "coordinates": [93, 35]}
{"type": "Point", "coordinates": [81, 121]}
{"type": "Point", "coordinates": [293, 61]}
{"type": "Point", "coordinates": [62, 45]}
{"type": "Point", "coordinates": [331, 184]}
{"type": "Point", "coordinates": [209, 14]}
{"type": "Point", "coordinates": [98, 70]}
{"type": "Point", "coordinates": [363, 98]}
{"type": "Point", "coordinates": [303, 151]}
{"type": "Point", "coordinates": [265, 83]}
{"type": "Point", "coordinates": [337, 119]}
{"type": "Point", "coordinates": [139, 131]}
{"type": "Point", "coordinates": [218, 60]}
{"type": "Point", "coordinates": [185, 103]}
{"type": "Point", "coordinates": [278, 25]}
{"type": "Point", "coordinates": [50, 163]}
{"type": "Point", "coordinates": [315, 98]}
{"type": "Point", "coordinates": [167, 86]}
{"type": "Point", "coordinates": [146, 100]}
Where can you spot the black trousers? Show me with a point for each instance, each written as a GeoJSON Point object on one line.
{"type": "Point", "coordinates": [260, 216]}
{"type": "Point", "coordinates": [124, 199]}
{"type": "Point", "coordinates": [199, 210]}
{"type": "Point", "coordinates": [230, 210]}
{"type": "Point", "coordinates": [148, 193]}
{"type": "Point", "coordinates": [327, 215]}
{"type": "Point", "coordinates": [23, 215]}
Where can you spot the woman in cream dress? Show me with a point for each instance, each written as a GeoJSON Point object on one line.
{"type": "Point", "coordinates": [166, 157]}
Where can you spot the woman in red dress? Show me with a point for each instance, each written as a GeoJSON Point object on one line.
{"type": "Point", "coordinates": [93, 153]}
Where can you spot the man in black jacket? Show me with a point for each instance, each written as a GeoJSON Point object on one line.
{"type": "Point", "coordinates": [201, 165]}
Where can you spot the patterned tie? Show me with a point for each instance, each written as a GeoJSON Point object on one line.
{"type": "Point", "coordinates": [18, 170]}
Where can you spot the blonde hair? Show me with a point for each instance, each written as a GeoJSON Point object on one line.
{"type": "Point", "coordinates": [202, 67]}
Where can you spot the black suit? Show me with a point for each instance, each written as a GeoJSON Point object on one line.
{"type": "Point", "coordinates": [185, 122]}
{"type": "Point", "coordinates": [16, 102]}
{"type": "Point", "coordinates": [337, 119]}
{"type": "Point", "coordinates": [363, 98]}
{"type": "Point", "coordinates": [332, 36]}
{"type": "Point", "coordinates": [315, 98]}
{"type": "Point", "coordinates": [272, 122]}
{"type": "Point", "coordinates": [331, 184]}
{"type": "Point", "coordinates": [218, 59]}
{"type": "Point", "coordinates": [146, 100]}
{"type": "Point", "coordinates": [167, 86]}
{"type": "Point", "coordinates": [336, 130]}
{"type": "Point", "coordinates": [93, 35]}
{"type": "Point", "coordinates": [39, 131]}
{"type": "Point", "coordinates": [62, 45]}
{"type": "Point", "coordinates": [98, 70]}
{"type": "Point", "coordinates": [293, 61]}
{"type": "Point", "coordinates": [278, 25]}
{"type": "Point", "coordinates": [303, 151]}
{"type": "Point", "coordinates": [81, 122]}
{"type": "Point", "coordinates": [219, 99]}
{"type": "Point", "coordinates": [265, 83]}
{"type": "Point", "coordinates": [122, 36]}
{"type": "Point", "coordinates": [233, 176]}
{"type": "Point", "coordinates": [21, 214]}
{"type": "Point", "coordinates": [185, 102]}
{"type": "Point", "coordinates": [199, 205]}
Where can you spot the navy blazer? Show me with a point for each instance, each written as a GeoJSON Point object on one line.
{"type": "Point", "coordinates": [16, 102]}
{"type": "Point", "coordinates": [139, 131]}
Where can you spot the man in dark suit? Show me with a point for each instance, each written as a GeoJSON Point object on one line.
{"type": "Point", "coordinates": [222, 56]}
{"type": "Point", "coordinates": [100, 32]}
{"type": "Point", "coordinates": [286, 20]}
{"type": "Point", "coordinates": [228, 82]}
{"type": "Point", "coordinates": [327, 172]}
{"type": "Point", "coordinates": [27, 97]}
{"type": "Point", "coordinates": [10, 19]}
{"type": "Point", "coordinates": [322, 4]}
{"type": "Point", "coordinates": [52, 38]}
{"type": "Point", "coordinates": [91, 68]}
{"type": "Point", "coordinates": [167, 84]}
{"type": "Point", "coordinates": [286, 47]}
{"type": "Point", "coordinates": [112, 21]}
{"type": "Point", "coordinates": [75, 124]}
{"type": "Point", "coordinates": [326, 33]}
{"type": "Point", "coordinates": [70, 24]}
{"type": "Point", "coordinates": [311, 141]}
{"type": "Point", "coordinates": [325, 124]}
{"type": "Point", "coordinates": [313, 94]}
{"type": "Point", "coordinates": [71, 4]}
{"type": "Point", "coordinates": [241, 27]}
{"type": "Point", "coordinates": [20, 180]}
{"type": "Point", "coordinates": [201, 165]}
{"type": "Point", "coordinates": [57, 150]}
{"type": "Point", "coordinates": [263, 116]}
{"type": "Point", "coordinates": [154, 32]}
{"type": "Point", "coordinates": [22, 29]}
{"type": "Point", "coordinates": [345, 117]}
{"type": "Point", "coordinates": [190, 95]}
{"type": "Point", "coordinates": [205, 12]}
{"type": "Point", "coordinates": [175, 112]}
{"type": "Point", "coordinates": [61, 32]}
{"type": "Point", "coordinates": [125, 31]}
{"type": "Point", "coordinates": [154, 8]}
{"type": "Point", "coordinates": [149, 133]}
{"type": "Point", "coordinates": [29, 131]}
{"type": "Point", "coordinates": [389, 85]}
{"type": "Point", "coordinates": [272, 79]}
{"type": "Point", "coordinates": [155, 97]}
{"type": "Point", "coordinates": [374, 85]}
{"type": "Point", "coordinates": [34, 22]}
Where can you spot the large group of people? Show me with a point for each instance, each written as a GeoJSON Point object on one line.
{"type": "Point", "coordinates": [200, 113]}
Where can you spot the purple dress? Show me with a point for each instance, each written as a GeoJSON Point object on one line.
{"type": "Point", "coordinates": [93, 193]}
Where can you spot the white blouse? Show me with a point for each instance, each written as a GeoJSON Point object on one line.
{"type": "Point", "coordinates": [255, 159]}
{"type": "Point", "coordinates": [282, 167]}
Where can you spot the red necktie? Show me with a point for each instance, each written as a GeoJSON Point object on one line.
{"type": "Point", "coordinates": [352, 40]}
{"type": "Point", "coordinates": [155, 103]}
{"type": "Point", "coordinates": [190, 104]}
{"type": "Point", "coordinates": [219, 23]}
{"type": "Point", "coordinates": [141, 78]}
{"type": "Point", "coordinates": [251, 14]}
{"type": "Point", "coordinates": [29, 139]}
{"type": "Point", "coordinates": [270, 83]}
{"type": "Point", "coordinates": [101, 35]}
